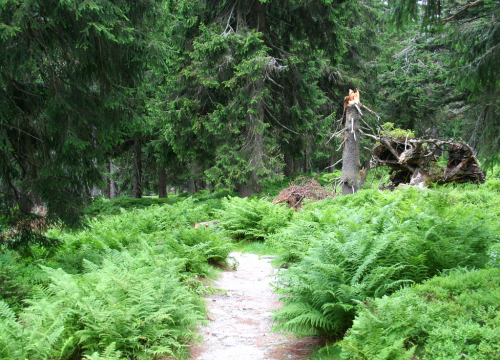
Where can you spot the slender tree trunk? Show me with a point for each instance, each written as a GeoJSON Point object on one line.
{"type": "Point", "coordinates": [306, 160]}
{"type": "Point", "coordinates": [296, 166]}
{"type": "Point", "coordinates": [254, 143]}
{"type": "Point", "coordinates": [331, 169]}
{"type": "Point", "coordinates": [107, 188]}
{"type": "Point", "coordinates": [351, 178]}
{"type": "Point", "coordinates": [137, 180]}
{"type": "Point", "coordinates": [25, 202]}
{"type": "Point", "coordinates": [162, 182]}
{"type": "Point", "coordinates": [191, 187]}
{"type": "Point", "coordinates": [113, 186]}
{"type": "Point", "coordinates": [288, 169]}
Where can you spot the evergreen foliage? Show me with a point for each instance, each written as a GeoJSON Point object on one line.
{"type": "Point", "coordinates": [447, 317]}
{"type": "Point", "coordinates": [470, 37]}
{"type": "Point", "coordinates": [252, 83]}
{"type": "Point", "coordinates": [69, 77]}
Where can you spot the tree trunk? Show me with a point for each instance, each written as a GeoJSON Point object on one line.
{"type": "Point", "coordinates": [107, 188]}
{"type": "Point", "coordinates": [306, 160]}
{"type": "Point", "coordinates": [254, 143]}
{"type": "Point", "coordinates": [191, 186]}
{"type": "Point", "coordinates": [296, 165]}
{"type": "Point", "coordinates": [162, 182]}
{"type": "Point", "coordinates": [288, 169]}
{"type": "Point", "coordinates": [333, 160]}
{"type": "Point", "coordinates": [351, 178]}
{"type": "Point", "coordinates": [25, 202]}
{"type": "Point", "coordinates": [137, 181]}
{"type": "Point", "coordinates": [113, 186]}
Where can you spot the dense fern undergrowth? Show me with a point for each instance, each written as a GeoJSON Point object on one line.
{"type": "Point", "coordinates": [128, 285]}
{"type": "Point", "coordinates": [341, 253]}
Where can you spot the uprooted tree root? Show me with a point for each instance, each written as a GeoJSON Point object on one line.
{"type": "Point", "coordinates": [414, 162]}
{"type": "Point", "coordinates": [300, 189]}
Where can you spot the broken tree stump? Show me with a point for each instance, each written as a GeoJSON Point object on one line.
{"type": "Point", "coordinates": [351, 177]}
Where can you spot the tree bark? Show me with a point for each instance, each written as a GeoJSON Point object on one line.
{"type": "Point", "coordinates": [191, 187]}
{"type": "Point", "coordinates": [107, 188]}
{"type": "Point", "coordinates": [25, 202]}
{"type": "Point", "coordinates": [254, 143]}
{"type": "Point", "coordinates": [162, 182]}
{"type": "Point", "coordinates": [113, 186]}
{"type": "Point", "coordinates": [137, 175]}
{"type": "Point", "coordinates": [296, 166]}
{"type": "Point", "coordinates": [351, 178]}
{"type": "Point", "coordinates": [288, 169]}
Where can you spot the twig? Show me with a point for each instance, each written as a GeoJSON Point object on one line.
{"type": "Point", "coordinates": [340, 145]}
{"type": "Point", "coordinates": [333, 135]}
{"type": "Point", "coordinates": [298, 202]}
{"type": "Point", "coordinates": [373, 112]}
{"type": "Point", "coordinates": [333, 164]}
{"type": "Point", "coordinates": [352, 127]}
{"type": "Point", "coordinates": [367, 124]}
{"type": "Point", "coordinates": [359, 110]}
{"type": "Point", "coordinates": [462, 10]}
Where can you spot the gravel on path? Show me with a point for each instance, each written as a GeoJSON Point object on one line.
{"type": "Point", "coordinates": [240, 319]}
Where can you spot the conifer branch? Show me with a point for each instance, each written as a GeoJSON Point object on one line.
{"type": "Point", "coordinates": [464, 8]}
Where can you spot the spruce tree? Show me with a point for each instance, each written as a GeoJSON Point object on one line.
{"type": "Point", "coordinates": [69, 74]}
{"type": "Point", "coordinates": [243, 92]}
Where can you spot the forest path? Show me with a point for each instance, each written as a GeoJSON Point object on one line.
{"type": "Point", "coordinates": [240, 319]}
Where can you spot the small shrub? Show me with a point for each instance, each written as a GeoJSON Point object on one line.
{"type": "Point", "coordinates": [397, 133]}
{"type": "Point", "coordinates": [15, 280]}
{"type": "Point", "coordinates": [105, 207]}
{"type": "Point", "coordinates": [252, 219]}
{"type": "Point", "coordinates": [136, 303]}
{"type": "Point", "coordinates": [449, 317]}
{"type": "Point", "coordinates": [357, 253]}
{"type": "Point", "coordinates": [493, 184]}
{"type": "Point", "coordinates": [197, 248]}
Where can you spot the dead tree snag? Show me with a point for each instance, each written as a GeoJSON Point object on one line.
{"type": "Point", "coordinates": [351, 177]}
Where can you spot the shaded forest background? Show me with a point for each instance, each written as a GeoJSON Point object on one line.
{"type": "Point", "coordinates": [134, 98]}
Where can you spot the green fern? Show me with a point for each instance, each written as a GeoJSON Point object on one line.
{"type": "Point", "coordinates": [109, 354]}
{"type": "Point", "coordinates": [132, 304]}
{"type": "Point", "coordinates": [449, 317]}
{"type": "Point", "coordinates": [358, 253]}
{"type": "Point", "coordinates": [252, 219]}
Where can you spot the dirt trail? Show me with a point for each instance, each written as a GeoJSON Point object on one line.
{"type": "Point", "coordinates": [240, 320]}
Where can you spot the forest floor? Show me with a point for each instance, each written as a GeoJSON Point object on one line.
{"type": "Point", "coordinates": [240, 317]}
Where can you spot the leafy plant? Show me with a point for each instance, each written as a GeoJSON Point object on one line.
{"type": "Point", "coordinates": [134, 302]}
{"type": "Point", "coordinates": [252, 219]}
{"type": "Point", "coordinates": [357, 253]}
{"type": "Point", "coordinates": [449, 317]}
{"type": "Point", "coordinates": [15, 280]}
{"type": "Point", "coordinates": [397, 133]}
